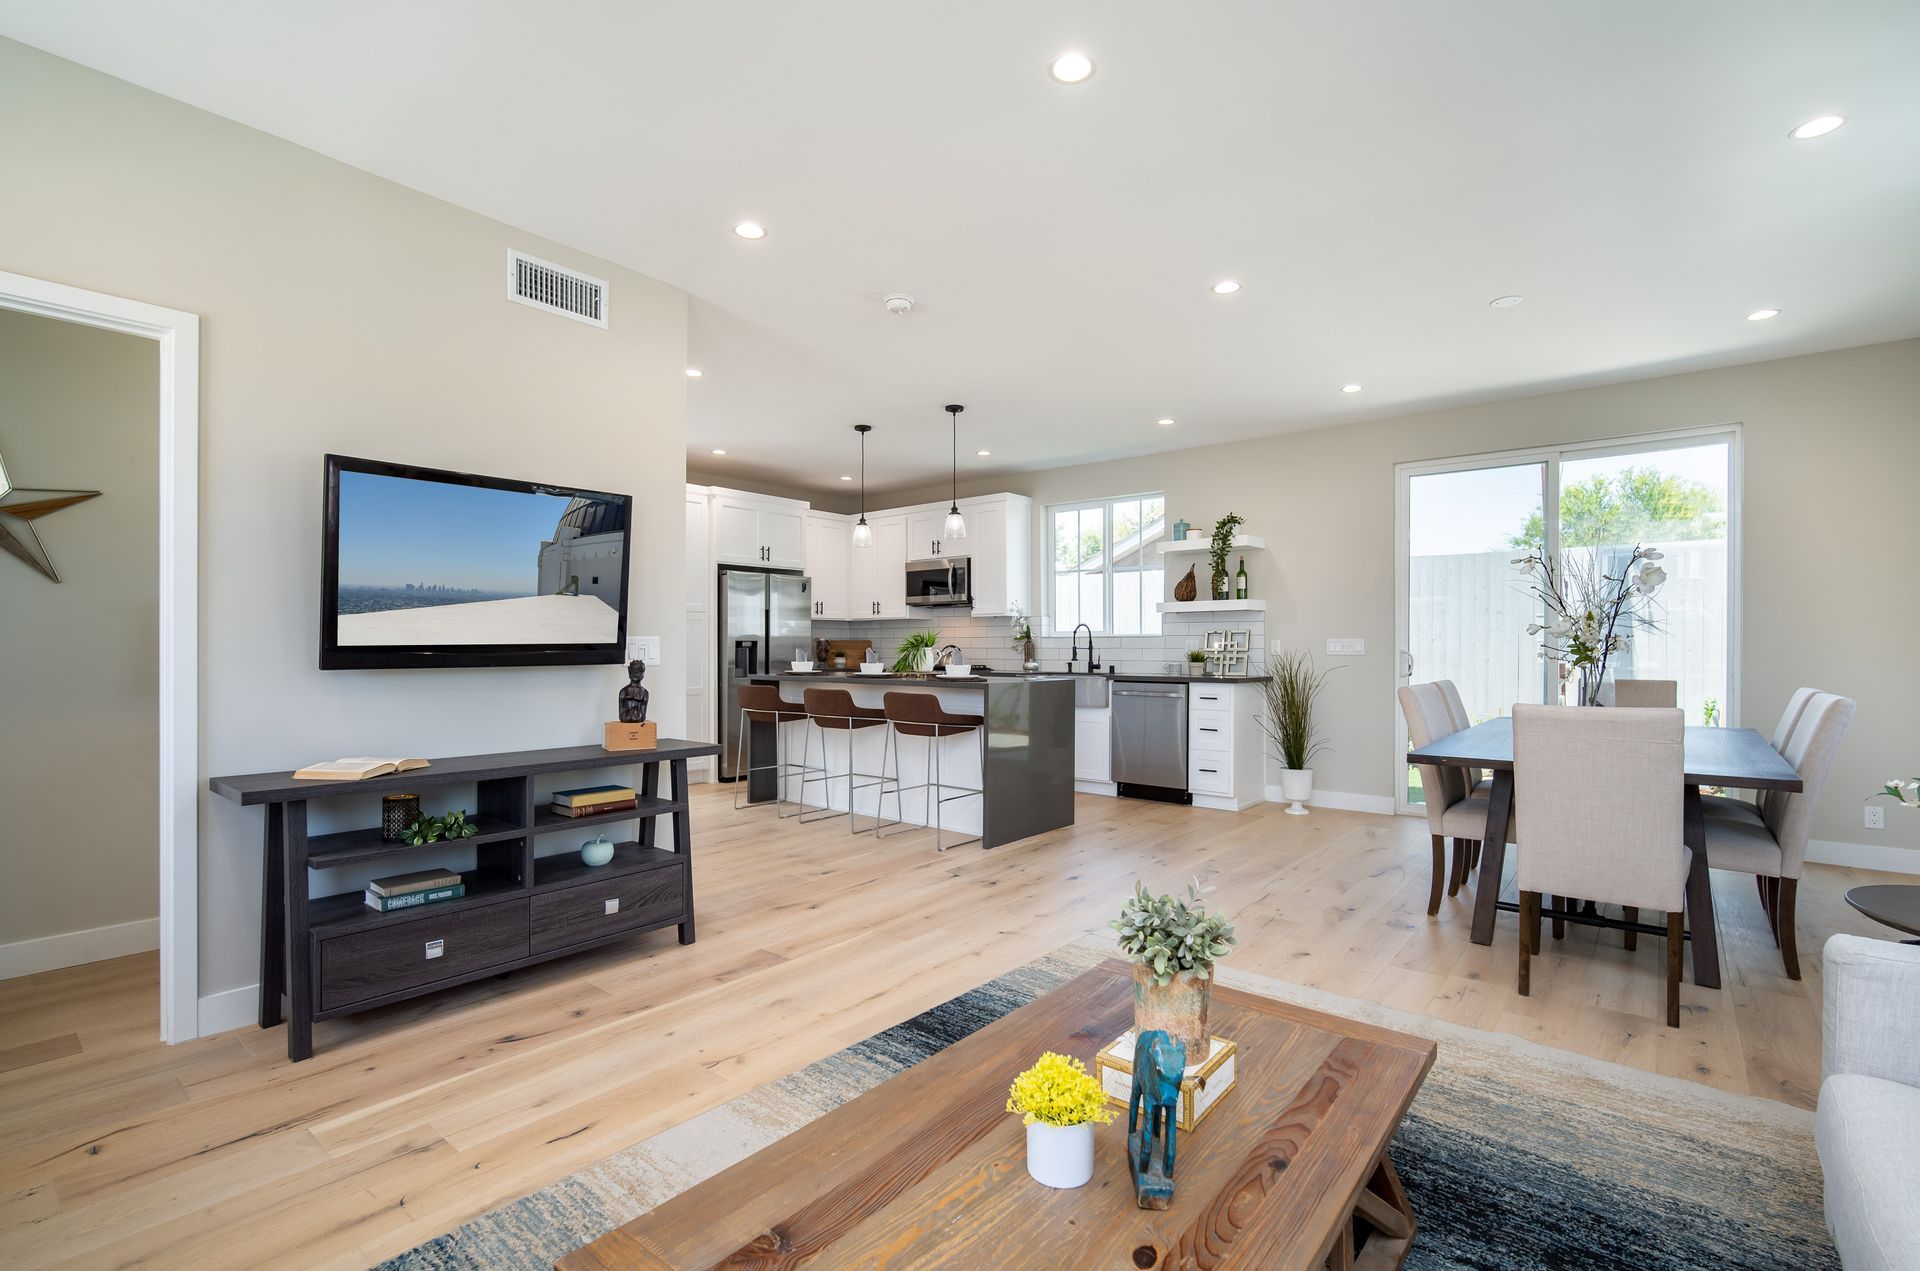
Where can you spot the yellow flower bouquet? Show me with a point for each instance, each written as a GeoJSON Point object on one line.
{"type": "Point", "coordinates": [1058, 1090]}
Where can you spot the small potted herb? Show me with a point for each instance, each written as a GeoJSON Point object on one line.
{"type": "Point", "coordinates": [1173, 945]}
{"type": "Point", "coordinates": [916, 653]}
{"type": "Point", "coordinates": [1196, 661]}
{"type": "Point", "coordinates": [1061, 1103]}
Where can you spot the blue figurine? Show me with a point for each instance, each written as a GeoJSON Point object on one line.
{"type": "Point", "coordinates": [1158, 1064]}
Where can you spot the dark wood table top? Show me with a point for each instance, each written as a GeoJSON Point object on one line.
{"type": "Point", "coordinates": [929, 1170]}
{"type": "Point", "coordinates": [1895, 904]}
{"type": "Point", "coordinates": [281, 787]}
{"type": "Point", "coordinates": [1737, 757]}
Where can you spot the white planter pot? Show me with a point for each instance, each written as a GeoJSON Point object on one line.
{"type": "Point", "coordinates": [1296, 787]}
{"type": "Point", "coordinates": [1060, 1155]}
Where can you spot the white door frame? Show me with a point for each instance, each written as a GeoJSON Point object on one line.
{"type": "Point", "coordinates": [178, 335]}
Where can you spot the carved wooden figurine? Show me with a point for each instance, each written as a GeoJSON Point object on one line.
{"type": "Point", "coordinates": [633, 697]}
{"type": "Point", "coordinates": [1153, 1109]}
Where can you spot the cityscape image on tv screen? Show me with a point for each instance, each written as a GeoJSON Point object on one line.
{"type": "Point", "coordinates": [433, 563]}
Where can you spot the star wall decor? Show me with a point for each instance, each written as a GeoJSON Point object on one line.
{"type": "Point", "coordinates": [20, 508]}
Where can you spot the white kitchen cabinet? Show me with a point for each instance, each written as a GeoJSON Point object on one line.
{"type": "Point", "coordinates": [1093, 748]}
{"type": "Point", "coordinates": [925, 525]}
{"type": "Point", "coordinates": [829, 548]}
{"type": "Point", "coordinates": [757, 529]}
{"type": "Point", "coordinates": [999, 535]}
{"type": "Point", "coordinates": [877, 575]}
{"type": "Point", "coordinates": [1225, 765]}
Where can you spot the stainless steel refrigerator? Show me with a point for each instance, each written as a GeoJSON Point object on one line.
{"type": "Point", "coordinates": [764, 617]}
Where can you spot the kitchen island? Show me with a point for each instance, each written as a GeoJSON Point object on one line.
{"type": "Point", "coordinates": [1026, 774]}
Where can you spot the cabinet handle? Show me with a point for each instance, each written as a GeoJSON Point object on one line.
{"type": "Point", "coordinates": [1209, 699]}
{"type": "Point", "coordinates": [1212, 770]}
{"type": "Point", "coordinates": [435, 948]}
{"type": "Point", "coordinates": [1205, 729]}
{"type": "Point", "coordinates": [613, 906]}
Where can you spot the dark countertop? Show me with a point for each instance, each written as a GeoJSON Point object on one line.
{"type": "Point", "coordinates": [900, 679]}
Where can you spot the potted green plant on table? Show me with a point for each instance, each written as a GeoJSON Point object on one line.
{"type": "Point", "coordinates": [1196, 661]}
{"type": "Point", "coordinates": [1288, 721]}
{"type": "Point", "coordinates": [915, 654]}
{"type": "Point", "coordinates": [1061, 1103]}
{"type": "Point", "coordinates": [1217, 550]}
{"type": "Point", "coordinates": [1173, 944]}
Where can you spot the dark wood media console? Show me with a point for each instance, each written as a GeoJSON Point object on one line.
{"type": "Point", "coordinates": [332, 955]}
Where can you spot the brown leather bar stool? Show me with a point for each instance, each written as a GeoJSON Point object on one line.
{"type": "Point", "coordinates": [762, 704]}
{"type": "Point", "coordinates": [921, 715]}
{"type": "Point", "coordinates": [833, 710]}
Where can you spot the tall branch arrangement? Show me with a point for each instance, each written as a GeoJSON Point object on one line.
{"type": "Point", "coordinates": [1591, 614]}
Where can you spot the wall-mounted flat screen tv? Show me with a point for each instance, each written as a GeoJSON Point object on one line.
{"type": "Point", "coordinates": [430, 568]}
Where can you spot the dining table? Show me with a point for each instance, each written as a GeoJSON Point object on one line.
{"type": "Point", "coordinates": [1729, 758]}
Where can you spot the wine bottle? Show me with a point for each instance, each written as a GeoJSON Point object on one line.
{"type": "Point", "coordinates": [1240, 581]}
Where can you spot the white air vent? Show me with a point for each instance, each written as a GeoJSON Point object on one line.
{"type": "Point", "coordinates": [545, 285]}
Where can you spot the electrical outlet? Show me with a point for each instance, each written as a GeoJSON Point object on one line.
{"type": "Point", "coordinates": [1346, 646]}
{"type": "Point", "coordinates": [643, 648]}
{"type": "Point", "coordinates": [1876, 817]}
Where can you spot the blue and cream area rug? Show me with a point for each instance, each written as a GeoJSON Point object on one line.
{"type": "Point", "coordinates": [1515, 1155]}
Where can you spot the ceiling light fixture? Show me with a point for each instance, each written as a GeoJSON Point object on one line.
{"type": "Point", "coordinates": [750, 229]}
{"type": "Point", "coordinates": [1761, 315]}
{"type": "Point", "coordinates": [1225, 287]}
{"type": "Point", "coordinates": [983, 453]}
{"type": "Point", "coordinates": [1817, 127]}
{"type": "Point", "coordinates": [1165, 423]}
{"type": "Point", "coordinates": [1349, 388]}
{"type": "Point", "coordinates": [862, 532]}
{"type": "Point", "coordinates": [956, 526]}
{"type": "Point", "coordinates": [694, 372]}
{"type": "Point", "coordinates": [1071, 68]}
{"type": "Point", "coordinates": [1503, 302]}
{"type": "Point", "coordinates": [717, 451]}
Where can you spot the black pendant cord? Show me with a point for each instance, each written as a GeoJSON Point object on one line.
{"type": "Point", "coordinates": [953, 507]}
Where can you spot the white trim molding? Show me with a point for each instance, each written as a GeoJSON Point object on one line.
{"type": "Point", "coordinates": [178, 636]}
{"type": "Point", "coordinates": [75, 948]}
{"type": "Point", "coordinates": [234, 1008]}
{"type": "Point", "coordinates": [1340, 801]}
{"type": "Point", "coordinates": [1893, 860]}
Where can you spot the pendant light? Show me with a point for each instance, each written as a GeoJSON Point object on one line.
{"type": "Point", "coordinates": [862, 532]}
{"type": "Point", "coordinates": [956, 526]}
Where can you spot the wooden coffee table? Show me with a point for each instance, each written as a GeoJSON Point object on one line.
{"type": "Point", "coordinates": [928, 1170]}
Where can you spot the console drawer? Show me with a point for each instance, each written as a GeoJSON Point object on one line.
{"type": "Point", "coordinates": [593, 909]}
{"type": "Point", "coordinates": [418, 951]}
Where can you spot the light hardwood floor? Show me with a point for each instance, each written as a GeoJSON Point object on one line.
{"type": "Point", "coordinates": [115, 1149]}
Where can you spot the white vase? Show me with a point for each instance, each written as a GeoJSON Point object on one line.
{"type": "Point", "coordinates": [1296, 787]}
{"type": "Point", "coordinates": [1060, 1155]}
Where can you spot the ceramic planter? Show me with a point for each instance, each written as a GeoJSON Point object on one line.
{"type": "Point", "coordinates": [1296, 787]}
{"type": "Point", "coordinates": [1179, 1008]}
{"type": "Point", "coordinates": [1060, 1155]}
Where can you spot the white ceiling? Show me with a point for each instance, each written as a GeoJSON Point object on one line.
{"type": "Point", "coordinates": [1373, 173]}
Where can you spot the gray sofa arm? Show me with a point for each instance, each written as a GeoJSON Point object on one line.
{"type": "Point", "coordinates": [1870, 1024]}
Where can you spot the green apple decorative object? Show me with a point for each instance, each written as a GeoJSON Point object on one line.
{"type": "Point", "coordinates": [596, 851]}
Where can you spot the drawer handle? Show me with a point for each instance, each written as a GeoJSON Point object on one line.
{"type": "Point", "coordinates": [613, 906]}
{"type": "Point", "coordinates": [1205, 729]}
{"type": "Point", "coordinates": [435, 948]}
{"type": "Point", "coordinates": [1213, 770]}
{"type": "Point", "coordinates": [1209, 699]}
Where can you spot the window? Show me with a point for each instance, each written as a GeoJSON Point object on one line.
{"type": "Point", "coordinates": [1107, 572]}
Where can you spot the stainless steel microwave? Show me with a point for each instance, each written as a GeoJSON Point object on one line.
{"type": "Point", "coordinates": [943, 581]}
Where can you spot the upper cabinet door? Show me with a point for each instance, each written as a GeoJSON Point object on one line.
{"type": "Point", "coordinates": [890, 555]}
{"type": "Point", "coordinates": [785, 531]}
{"type": "Point", "coordinates": [737, 538]}
{"type": "Point", "coordinates": [923, 535]}
{"type": "Point", "coordinates": [986, 544]}
{"type": "Point", "coordinates": [829, 542]}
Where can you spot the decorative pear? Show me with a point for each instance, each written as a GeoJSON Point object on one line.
{"type": "Point", "coordinates": [1186, 589]}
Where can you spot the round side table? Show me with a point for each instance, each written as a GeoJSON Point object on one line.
{"type": "Point", "coordinates": [1897, 905]}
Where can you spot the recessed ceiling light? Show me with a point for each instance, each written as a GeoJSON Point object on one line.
{"type": "Point", "coordinates": [1349, 388]}
{"type": "Point", "coordinates": [1818, 127]}
{"type": "Point", "coordinates": [1071, 68]}
{"type": "Point", "coordinates": [1761, 315]}
{"type": "Point", "coordinates": [983, 453]}
{"type": "Point", "coordinates": [846, 478]}
{"type": "Point", "coordinates": [694, 372]}
{"type": "Point", "coordinates": [750, 229]}
{"type": "Point", "coordinates": [1503, 302]}
{"type": "Point", "coordinates": [1225, 287]}
{"type": "Point", "coordinates": [1165, 423]}
{"type": "Point", "coordinates": [716, 450]}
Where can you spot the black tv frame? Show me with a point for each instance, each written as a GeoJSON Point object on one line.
{"type": "Point", "coordinates": [336, 657]}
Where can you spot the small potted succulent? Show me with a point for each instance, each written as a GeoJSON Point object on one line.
{"type": "Point", "coordinates": [1173, 945]}
{"type": "Point", "coordinates": [1061, 1103]}
{"type": "Point", "coordinates": [1196, 661]}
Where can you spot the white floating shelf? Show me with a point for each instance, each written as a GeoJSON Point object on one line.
{"type": "Point", "coordinates": [1206, 606]}
{"type": "Point", "coordinates": [1200, 543]}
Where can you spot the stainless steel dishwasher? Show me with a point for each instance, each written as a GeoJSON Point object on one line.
{"type": "Point", "coordinates": [1150, 740]}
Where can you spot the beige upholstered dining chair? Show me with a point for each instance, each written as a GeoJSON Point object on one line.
{"type": "Point", "coordinates": [1769, 839]}
{"type": "Point", "coordinates": [1601, 804]}
{"type": "Point", "coordinates": [1640, 693]}
{"type": "Point", "coordinates": [1726, 805]}
{"type": "Point", "coordinates": [1455, 809]}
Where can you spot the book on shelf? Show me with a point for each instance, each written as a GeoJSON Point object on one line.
{"type": "Point", "coordinates": [588, 796]}
{"type": "Point", "coordinates": [357, 768]}
{"type": "Point", "coordinates": [386, 904]}
{"type": "Point", "coordinates": [596, 809]}
{"type": "Point", "coordinates": [418, 880]}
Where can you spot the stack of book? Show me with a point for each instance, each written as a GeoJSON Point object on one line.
{"type": "Point", "coordinates": [593, 800]}
{"type": "Point", "coordinates": [422, 887]}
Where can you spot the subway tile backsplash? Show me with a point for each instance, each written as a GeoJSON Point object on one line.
{"type": "Point", "coordinates": [989, 641]}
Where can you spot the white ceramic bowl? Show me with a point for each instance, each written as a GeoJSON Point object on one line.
{"type": "Point", "coordinates": [873, 668]}
{"type": "Point", "coordinates": [958, 671]}
{"type": "Point", "coordinates": [802, 666]}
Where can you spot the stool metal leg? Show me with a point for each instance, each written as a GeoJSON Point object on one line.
{"type": "Point", "coordinates": [825, 774]}
{"type": "Point", "coordinates": [967, 792]}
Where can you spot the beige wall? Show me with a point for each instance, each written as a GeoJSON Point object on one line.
{"type": "Point", "coordinates": [343, 313]}
{"type": "Point", "coordinates": [1832, 525]}
{"type": "Point", "coordinates": [78, 678]}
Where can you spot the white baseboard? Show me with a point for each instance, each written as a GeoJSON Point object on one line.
{"type": "Point", "coordinates": [1894, 860]}
{"type": "Point", "coordinates": [74, 948]}
{"type": "Point", "coordinates": [235, 1008]}
{"type": "Point", "coordinates": [1106, 788]}
{"type": "Point", "coordinates": [1340, 801]}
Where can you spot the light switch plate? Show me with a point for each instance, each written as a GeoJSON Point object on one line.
{"type": "Point", "coordinates": [643, 648]}
{"type": "Point", "coordinates": [1346, 646]}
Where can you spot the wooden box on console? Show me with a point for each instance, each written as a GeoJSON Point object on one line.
{"type": "Point", "coordinates": [632, 736]}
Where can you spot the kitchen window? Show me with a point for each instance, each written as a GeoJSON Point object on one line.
{"type": "Point", "coordinates": [1107, 570]}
